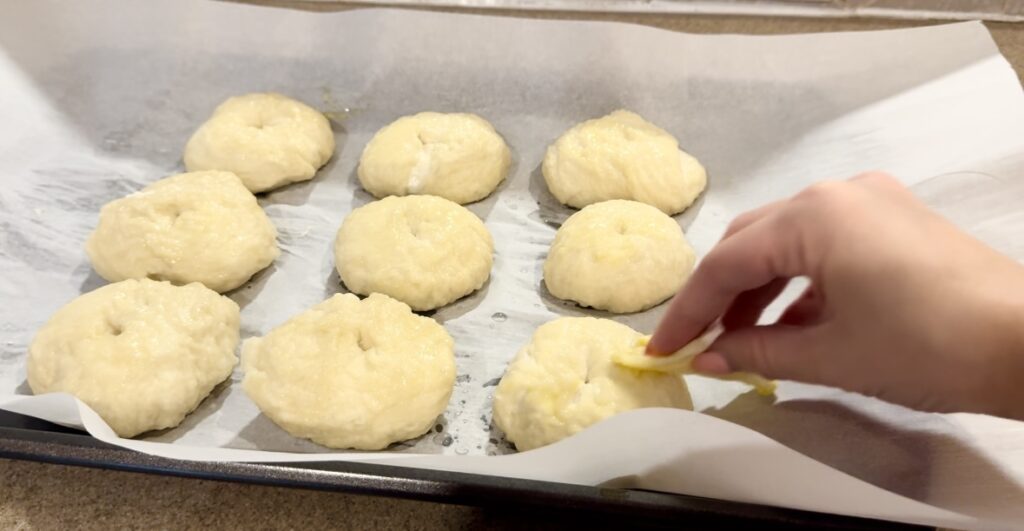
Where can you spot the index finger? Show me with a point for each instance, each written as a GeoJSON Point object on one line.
{"type": "Point", "coordinates": [749, 259]}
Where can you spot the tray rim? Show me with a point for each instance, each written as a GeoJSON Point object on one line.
{"type": "Point", "coordinates": [32, 439]}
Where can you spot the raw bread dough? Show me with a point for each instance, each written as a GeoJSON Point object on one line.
{"type": "Point", "coordinates": [564, 381]}
{"type": "Point", "coordinates": [141, 353]}
{"type": "Point", "coordinates": [193, 227]}
{"type": "Point", "coordinates": [268, 140]}
{"type": "Point", "coordinates": [422, 250]}
{"type": "Point", "coordinates": [456, 156]}
{"type": "Point", "coordinates": [621, 256]}
{"type": "Point", "coordinates": [622, 156]}
{"type": "Point", "coordinates": [352, 373]}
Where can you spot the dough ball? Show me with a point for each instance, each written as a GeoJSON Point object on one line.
{"type": "Point", "coordinates": [456, 156]}
{"type": "Point", "coordinates": [268, 140]}
{"type": "Point", "coordinates": [622, 156]}
{"type": "Point", "coordinates": [564, 380]}
{"type": "Point", "coordinates": [352, 373]}
{"type": "Point", "coordinates": [193, 227]}
{"type": "Point", "coordinates": [141, 353]}
{"type": "Point", "coordinates": [422, 250]}
{"type": "Point", "coordinates": [620, 256]}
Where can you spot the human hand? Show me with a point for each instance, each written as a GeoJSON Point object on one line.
{"type": "Point", "coordinates": [901, 304]}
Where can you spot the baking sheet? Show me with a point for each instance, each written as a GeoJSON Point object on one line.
{"type": "Point", "coordinates": [97, 106]}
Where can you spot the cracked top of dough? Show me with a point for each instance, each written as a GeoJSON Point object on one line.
{"type": "Point", "coordinates": [193, 227]}
{"type": "Point", "coordinates": [351, 373]}
{"type": "Point", "coordinates": [457, 156]}
{"type": "Point", "coordinates": [622, 156]}
{"type": "Point", "coordinates": [141, 353]}
{"type": "Point", "coordinates": [423, 250]}
{"type": "Point", "coordinates": [267, 139]}
{"type": "Point", "coordinates": [621, 256]}
{"type": "Point", "coordinates": [564, 380]}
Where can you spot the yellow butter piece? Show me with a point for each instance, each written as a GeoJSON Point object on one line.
{"type": "Point", "coordinates": [680, 362]}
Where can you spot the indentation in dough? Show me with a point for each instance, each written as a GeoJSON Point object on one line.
{"type": "Point", "coordinates": [115, 329]}
{"type": "Point", "coordinates": [415, 227]}
{"type": "Point", "coordinates": [171, 213]}
{"type": "Point", "coordinates": [364, 341]}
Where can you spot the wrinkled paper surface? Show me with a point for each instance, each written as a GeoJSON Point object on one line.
{"type": "Point", "coordinates": [99, 100]}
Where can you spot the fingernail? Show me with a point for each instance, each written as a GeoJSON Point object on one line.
{"type": "Point", "coordinates": [711, 363]}
{"type": "Point", "coordinates": [652, 350]}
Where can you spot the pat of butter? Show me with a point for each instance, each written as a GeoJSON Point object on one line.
{"type": "Point", "coordinates": [680, 361]}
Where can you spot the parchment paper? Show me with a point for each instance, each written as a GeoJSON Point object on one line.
{"type": "Point", "coordinates": [100, 98]}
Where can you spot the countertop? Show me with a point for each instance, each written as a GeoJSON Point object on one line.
{"type": "Point", "coordinates": [44, 496]}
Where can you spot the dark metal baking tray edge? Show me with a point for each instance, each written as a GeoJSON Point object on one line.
{"type": "Point", "coordinates": [32, 439]}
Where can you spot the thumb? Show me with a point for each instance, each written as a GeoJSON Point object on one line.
{"type": "Point", "coordinates": [774, 351]}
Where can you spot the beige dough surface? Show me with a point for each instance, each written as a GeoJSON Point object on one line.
{"type": "Point", "coordinates": [457, 156]}
{"type": "Point", "coordinates": [141, 353]}
{"type": "Point", "coordinates": [564, 380]}
{"type": "Point", "coordinates": [621, 256]}
{"type": "Point", "coordinates": [423, 250]}
{"type": "Point", "coordinates": [622, 156]}
{"type": "Point", "coordinates": [193, 227]}
{"type": "Point", "coordinates": [267, 139]}
{"type": "Point", "coordinates": [352, 373]}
